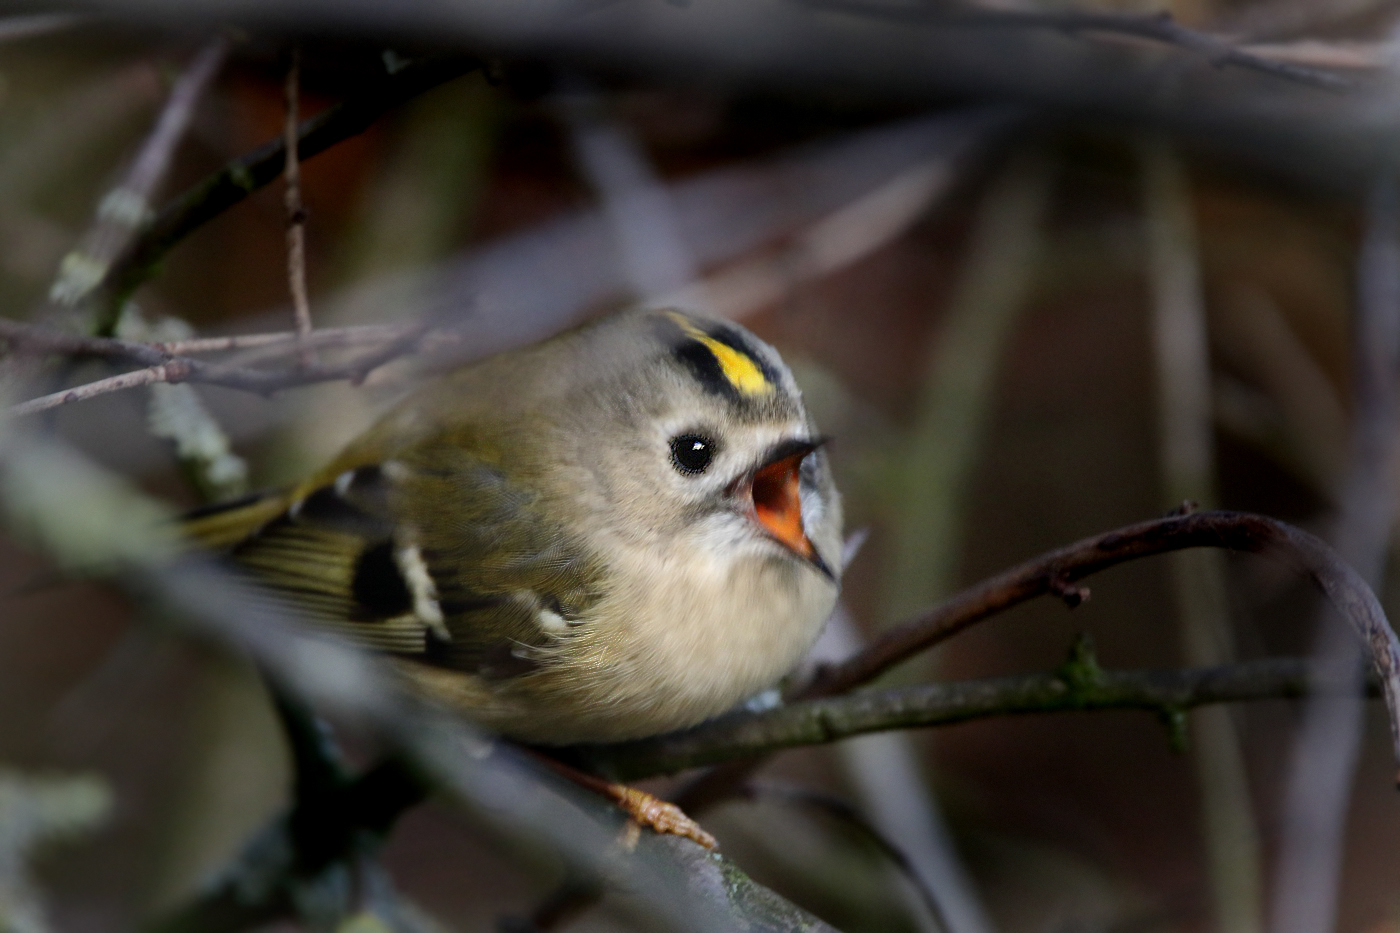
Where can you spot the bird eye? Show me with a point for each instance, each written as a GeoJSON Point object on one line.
{"type": "Point", "coordinates": [692, 453]}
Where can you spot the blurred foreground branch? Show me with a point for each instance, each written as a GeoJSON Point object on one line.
{"type": "Point", "coordinates": [329, 828]}
{"type": "Point", "coordinates": [86, 519]}
{"type": "Point", "coordinates": [1156, 27]}
{"type": "Point", "coordinates": [89, 521]}
{"type": "Point", "coordinates": [126, 208]}
{"type": "Point", "coordinates": [776, 45]}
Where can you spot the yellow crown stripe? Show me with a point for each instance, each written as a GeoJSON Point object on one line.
{"type": "Point", "coordinates": [741, 371]}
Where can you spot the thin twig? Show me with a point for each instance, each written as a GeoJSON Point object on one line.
{"type": "Point", "coordinates": [1053, 572]}
{"type": "Point", "coordinates": [31, 338]}
{"type": "Point", "coordinates": [296, 211]}
{"type": "Point", "coordinates": [126, 208]}
{"type": "Point", "coordinates": [1157, 27]}
{"type": "Point", "coordinates": [183, 369]}
{"type": "Point", "coordinates": [172, 371]}
{"type": "Point", "coordinates": [829, 719]}
{"type": "Point", "coordinates": [356, 335]}
{"type": "Point", "coordinates": [1056, 573]}
{"type": "Point", "coordinates": [248, 173]}
{"type": "Point", "coordinates": [887, 772]}
{"type": "Point", "coordinates": [166, 362]}
{"type": "Point", "coordinates": [28, 337]}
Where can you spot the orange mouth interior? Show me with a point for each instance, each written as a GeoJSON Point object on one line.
{"type": "Point", "coordinates": [777, 503]}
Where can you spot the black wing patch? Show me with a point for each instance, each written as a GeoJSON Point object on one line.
{"type": "Point", "coordinates": [378, 586]}
{"type": "Point", "coordinates": [480, 589]}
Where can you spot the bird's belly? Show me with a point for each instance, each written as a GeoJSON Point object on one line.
{"type": "Point", "coordinates": [696, 641]}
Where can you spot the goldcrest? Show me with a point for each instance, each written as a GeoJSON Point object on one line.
{"type": "Point", "coordinates": [621, 531]}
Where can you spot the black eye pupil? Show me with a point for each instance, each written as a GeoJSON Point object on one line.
{"type": "Point", "coordinates": [691, 453]}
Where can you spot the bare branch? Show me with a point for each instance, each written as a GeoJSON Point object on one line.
{"type": "Point", "coordinates": [357, 335]}
{"type": "Point", "coordinates": [28, 337]}
{"type": "Point", "coordinates": [1156, 27]}
{"type": "Point", "coordinates": [32, 338]}
{"type": "Point", "coordinates": [1237, 531]}
{"type": "Point", "coordinates": [1073, 687]}
{"type": "Point", "coordinates": [246, 174]}
{"type": "Point", "coordinates": [163, 365]}
{"type": "Point", "coordinates": [125, 209]}
{"type": "Point", "coordinates": [1056, 572]}
{"type": "Point", "coordinates": [296, 212]}
{"type": "Point", "coordinates": [172, 371]}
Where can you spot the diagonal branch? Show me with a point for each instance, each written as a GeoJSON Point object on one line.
{"type": "Point", "coordinates": [126, 207]}
{"type": "Point", "coordinates": [1058, 572]}
{"type": "Point", "coordinates": [248, 173]}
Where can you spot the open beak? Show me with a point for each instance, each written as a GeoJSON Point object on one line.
{"type": "Point", "coordinates": [775, 490]}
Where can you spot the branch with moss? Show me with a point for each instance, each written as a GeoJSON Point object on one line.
{"type": "Point", "coordinates": [1078, 685]}
{"type": "Point", "coordinates": [1058, 574]}
{"type": "Point", "coordinates": [335, 825]}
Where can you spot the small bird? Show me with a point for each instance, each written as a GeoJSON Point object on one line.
{"type": "Point", "coordinates": [621, 531]}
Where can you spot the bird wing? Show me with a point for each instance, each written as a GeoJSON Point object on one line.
{"type": "Point", "coordinates": [433, 555]}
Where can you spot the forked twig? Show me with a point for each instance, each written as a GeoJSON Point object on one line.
{"type": "Point", "coordinates": [126, 208]}
{"type": "Point", "coordinates": [248, 173]}
{"type": "Point", "coordinates": [1236, 531]}
{"type": "Point", "coordinates": [162, 366]}
{"type": "Point", "coordinates": [1053, 573]}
